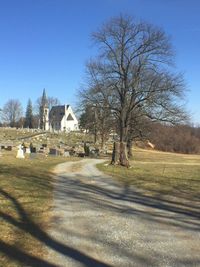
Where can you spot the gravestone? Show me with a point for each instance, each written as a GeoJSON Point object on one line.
{"type": "Point", "coordinates": [53, 151]}
{"type": "Point", "coordinates": [20, 152]}
{"type": "Point", "coordinates": [44, 145]}
{"type": "Point", "coordinates": [28, 151]}
{"type": "Point", "coordinates": [33, 149]}
{"type": "Point", "coordinates": [66, 154]}
{"type": "Point", "coordinates": [41, 150]}
{"type": "Point", "coordinates": [93, 152]}
{"type": "Point", "coordinates": [81, 154]}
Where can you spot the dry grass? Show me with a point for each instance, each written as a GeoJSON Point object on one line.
{"type": "Point", "coordinates": [159, 173]}
{"type": "Point", "coordinates": [25, 200]}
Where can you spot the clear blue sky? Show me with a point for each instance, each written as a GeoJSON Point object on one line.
{"type": "Point", "coordinates": [45, 43]}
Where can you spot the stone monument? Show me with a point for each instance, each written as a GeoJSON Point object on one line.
{"type": "Point", "coordinates": [20, 152]}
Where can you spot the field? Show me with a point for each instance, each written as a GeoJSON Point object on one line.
{"type": "Point", "coordinates": [161, 174]}
{"type": "Point", "coordinates": [26, 195]}
{"type": "Point", "coordinates": [25, 200]}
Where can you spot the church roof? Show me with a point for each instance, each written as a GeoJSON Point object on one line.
{"type": "Point", "coordinates": [70, 118]}
{"type": "Point", "coordinates": [57, 113]}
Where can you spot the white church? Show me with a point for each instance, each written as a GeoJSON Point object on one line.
{"type": "Point", "coordinates": [59, 118]}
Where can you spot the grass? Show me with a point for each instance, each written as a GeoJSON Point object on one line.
{"type": "Point", "coordinates": [25, 201]}
{"type": "Point", "coordinates": [13, 136]}
{"type": "Point", "coordinates": [159, 173]}
{"type": "Point", "coordinates": [26, 194]}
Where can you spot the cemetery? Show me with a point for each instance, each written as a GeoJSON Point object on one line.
{"type": "Point", "coordinates": [26, 143]}
{"type": "Point", "coordinates": [104, 170]}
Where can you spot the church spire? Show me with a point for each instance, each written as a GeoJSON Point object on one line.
{"type": "Point", "coordinates": [44, 112]}
{"type": "Point", "coordinates": [44, 102]}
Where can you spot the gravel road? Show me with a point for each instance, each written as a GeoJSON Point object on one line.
{"type": "Point", "coordinates": [98, 222]}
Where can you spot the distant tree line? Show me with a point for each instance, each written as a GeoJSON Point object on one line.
{"type": "Point", "coordinates": [178, 138]}
{"type": "Point", "coordinates": [12, 115]}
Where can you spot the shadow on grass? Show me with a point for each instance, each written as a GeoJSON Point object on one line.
{"type": "Point", "coordinates": [28, 226]}
{"type": "Point", "coordinates": [107, 196]}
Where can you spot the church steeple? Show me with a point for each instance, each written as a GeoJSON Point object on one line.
{"type": "Point", "coordinates": [44, 102]}
{"type": "Point", "coordinates": [44, 112]}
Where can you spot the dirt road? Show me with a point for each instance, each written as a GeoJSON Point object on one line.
{"type": "Point", "coordinates": [99, 222]}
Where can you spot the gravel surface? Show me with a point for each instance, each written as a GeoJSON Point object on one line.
{"type": "Point", "coordinates": [98, 222]}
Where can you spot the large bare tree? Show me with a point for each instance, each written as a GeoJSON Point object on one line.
{"type": "Point", "coordinates": [133, 75]}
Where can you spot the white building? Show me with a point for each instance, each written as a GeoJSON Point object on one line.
{"type": "Point", "coordinates": [60, 118]}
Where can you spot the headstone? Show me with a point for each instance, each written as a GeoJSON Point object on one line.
{"type": "Point", "coordinates": [81, 154]}
{"type": "Point", "coordinates": [20, 152]}
{"type": "Point", "coordinates": [44, 145]}
{"type": "Point", "coordinates": [94, 152]}
{"type": "Point", "coordinates": [86, 149]}
{"type": "Point", "coordinates": [66, 154]}
{"type": "Point", "coordinates": [9, 148]}
{"type": "Point", "coordinates": [28, 151]}
{"type": "Point", "coordinates": [41, 150]}
{"type": "Point", "coordinates": [33, 149]}
{"type": "Point", "coordinates": [53, 151]}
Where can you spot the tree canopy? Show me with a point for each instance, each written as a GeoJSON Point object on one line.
{"type": "Point", "coordinates": [132, 76]}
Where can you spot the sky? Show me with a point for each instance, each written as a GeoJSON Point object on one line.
{"type": "Point", "coordinates": [46, 43]}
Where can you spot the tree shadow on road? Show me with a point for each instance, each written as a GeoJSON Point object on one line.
{"type": "Point", "coordinates": [116, 197]}
{"type": "Point", "coordinates": [107, 196]}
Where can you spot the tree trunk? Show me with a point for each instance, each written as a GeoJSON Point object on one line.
{"type": "Point", "coordinates": [119, 155]}
{"type": "Point", "coordinates": [115, 154]}
{"type": "Point", "coordinates": [95, 136]}
{"type": "Point", "coordinates": [102, 140]}
{"type": "Point", "coordinates": [123, 157]}
{"type": "Point", "coordinates": [129, 148]}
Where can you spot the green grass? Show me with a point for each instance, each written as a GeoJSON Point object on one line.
{"type": "Point", "coordinates": [159, 173]}
{"type": "Point", "coordinates": [25, 201]}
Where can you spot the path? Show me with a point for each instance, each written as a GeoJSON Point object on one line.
{"type": "Point", "coordinates": [101, 223]}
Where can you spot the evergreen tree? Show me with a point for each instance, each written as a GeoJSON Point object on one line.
{"type": "Point", "coordinates": [29, 115]}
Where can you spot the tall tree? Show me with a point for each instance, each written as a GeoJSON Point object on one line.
{"type": "Point", "coordinates": [29, 119]}
{"type": "Point", "coordinates": [52, 101]}
{"type": "Point", "coordinates": [98, 122]}
{"type": "Point", "coordinates": [132, 75]}
{"type": "Point", "coordinates": [12, 112]}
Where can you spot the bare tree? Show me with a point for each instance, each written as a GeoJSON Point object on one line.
{"type": "Point", "coordinates": [12, 112]}
{"type": "Point", "coordinates": [132, 75]}
{"type": "Point", "coordinates": [97, 121]}
{"type": "Point", "coordinates": [52, 101]}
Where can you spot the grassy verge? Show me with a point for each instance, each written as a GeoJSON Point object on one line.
{"type": "Point", "coordinates": [25, 200]}
{"type": "Point", "coordinates": [160, 173]}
